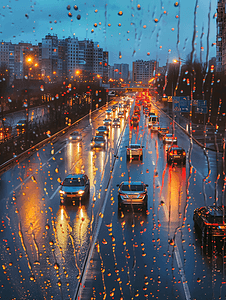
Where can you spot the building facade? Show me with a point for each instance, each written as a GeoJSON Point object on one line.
{"type": "Point", "coordinates": [143, 71]}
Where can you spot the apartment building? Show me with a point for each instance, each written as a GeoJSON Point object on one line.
{"type": "Point", "coordinates": [143, 70]}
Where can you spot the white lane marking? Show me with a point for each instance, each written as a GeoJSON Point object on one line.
{"type": "Point", "coordinates": [57, 190]}
{"type": "Point", "coordinates": [182, 274]}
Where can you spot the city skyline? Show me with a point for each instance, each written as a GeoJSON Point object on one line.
{"type": "Point", "coordinates": [127, 30]}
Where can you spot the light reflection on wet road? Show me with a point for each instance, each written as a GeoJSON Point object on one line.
{"type": "Point", "coordinates": [138, 254]}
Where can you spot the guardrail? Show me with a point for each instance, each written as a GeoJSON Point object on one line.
{"type": "Point", "coordinates": [8, 164]}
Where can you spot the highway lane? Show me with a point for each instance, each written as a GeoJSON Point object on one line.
{"type": "Point", "coordinates": [43, 244]}
{"type": "Point", "coordinates": [138, 254]}
{"type": "Point", "coordinates": [158, 254]}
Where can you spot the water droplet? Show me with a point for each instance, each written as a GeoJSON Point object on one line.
{"type": "Point", "coordinates": [148, 53]}
{"type": "Point", "coordinates": [70, 14]}
{"type": "Point", "coordinates": [95, 25]}
{"type": "Point", "coordinates": [68, 7]}
{"type": "Point", "coordinates": [119, 24]}
{"type": "Point", "coordinates": [120, 13]}
{"type": "Point", "coordinates": [78, 17]}
{"type": "Point", "coordinates": [156, 20]}
{"type": "Point", "coordinates": [56, 266]}
{"type": "Point", "coordinates": [75, 7]}
{"type": "Point", "coordinates": [138, 7]}
{"type": "Point", "coordinates": [176, 4]}
{"type": "Point", "coordinates": [26, 15]}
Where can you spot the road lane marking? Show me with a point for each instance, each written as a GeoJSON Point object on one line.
{"type": "Point", "coordinates": [182, 274]}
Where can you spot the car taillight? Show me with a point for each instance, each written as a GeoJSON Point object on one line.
{"type": "Point", "coordinates": [184, 153]}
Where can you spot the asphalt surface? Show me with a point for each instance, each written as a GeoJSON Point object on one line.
{"type": "Point", "coordinates": [94, 250]}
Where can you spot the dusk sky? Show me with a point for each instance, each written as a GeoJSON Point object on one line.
{"type": "Point", "coordinates": [144, 29]}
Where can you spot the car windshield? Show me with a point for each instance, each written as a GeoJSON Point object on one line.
{"type": "Point", "coordinates": [73, 182]}
{"type": "Point", "coordinates": [132, 187]}
{"type": "Point", "coordinates": [75, 133]}
{"type": "Point", "coordinates": [135, 146]}
{"type": "Point", "coordinates": [98, 138]}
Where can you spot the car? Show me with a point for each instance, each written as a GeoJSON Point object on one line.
{"type": "Point", "coordinates": [116, 122]}
{"type": "Point", "coordinates": [209, 220]}
{"type": "Point", "coordinates": [21, 124]}
{"type": "Point", "coordinates": [176, 154]}
{"type": "Point", "coordinates": [153, 120]}
{"type": "Point", "coordinates": [108, 113]}
{"type": "Point", "coordinates": [98, 142]}
{"type": "Point", "coordinates": [102, 130]}
{"type": "Point", "coordinates": [155, 127]}
{"type": "Point", "coordinates": [114, 108]}
{"type": "Point", "coordinates": [134, 150]}
{"type": "Point", "coordinates": [163, 131]}
{"type": "Point", "coordinates": [74, 187]}
{"type": "Point", "coordinates": [107, 122]}
{"type": "Point", "coordinates": [134, 121]}
{"type": "Point", "coordinates": [75, 136]}
{"type": "Point", "coordinates": [132, 192]}
{"type": "Point", "coordinates": [169, 138]}
{"type": "Point", "coordinates": [121, 114]}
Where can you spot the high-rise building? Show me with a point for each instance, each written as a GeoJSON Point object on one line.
{"type": "Point", "coordinates": [143, 70]}
{"type": "Point", "coordinates": [49, 57]}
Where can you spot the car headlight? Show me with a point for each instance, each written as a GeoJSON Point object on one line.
{"type": "Point", "coordinates": [62, 192]}
{"type": "Point", "coordinates": [102, 144]}
{"type": "Point", "coordinates": [81, 192]}
{"type": "Point", "coordinates": [92, 143]}
{"type": "Point", "coordinates": [70, 138]}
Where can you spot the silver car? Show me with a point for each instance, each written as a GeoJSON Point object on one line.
{"type": "Point", "coordinates": [98, 142]}
{"type": "Point", "coordinates": [116, 122]}
{"type": "Point", "coordinates": [75, 136]}
{"type": "Point", "coordinates": [74, 187]}
{"type": "Point", "coordinates": [134, 150]}
{"type": "Point", "coordinates": [132, 192]}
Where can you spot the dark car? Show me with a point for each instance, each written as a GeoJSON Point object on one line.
{"type": "Point", "coordinates": [74, 187]}
{"type": "Point", "coordinates": [21, 124]}
{"type": "Point", "coordinates": [102, 130]}
{"type": "Point", "coordinates": [134, 121]}
{"type": "Point", "coordinates": [132, 192]}
{"type": "Point", "coordinates": [209, 219]}
{"type": "Point", "coordinates": [163, 131]}
{"type": "Point", "coordinates": [98, 142]}
{"type": "Point", "coordinates": [176, 154]}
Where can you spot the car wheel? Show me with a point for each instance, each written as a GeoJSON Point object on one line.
{"type": "Point", "coordinates": [141, 157]}
{"type": "Point", "coordinates": [184, 161]}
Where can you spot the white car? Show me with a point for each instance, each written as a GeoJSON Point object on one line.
{"type": "Point", "coordinates": [155, 127]}
{"type": "Point", "coordinates": [169, 138]}
{"type": "Point", "coordinates": [134, 150]}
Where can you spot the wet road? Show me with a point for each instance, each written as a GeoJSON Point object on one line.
{"type": "Point", "coordinates": [137, 254]}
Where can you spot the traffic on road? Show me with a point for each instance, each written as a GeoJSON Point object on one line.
{"type": "Point", "coordinates": [126, 206]}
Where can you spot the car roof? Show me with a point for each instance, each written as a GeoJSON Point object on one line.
{"type": "Point", "coordinates": [132, 182]}
{"type": "Point", "coordinates": [99, 137]}
{"type": "Point", "coordinates": [75, 176]}
{"type": "Point", "coordinates": [169, 134]}
{"type": "Point", "coordinates": [102, 127]}
{"type": "Point", "coordinates": [131, 145]}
